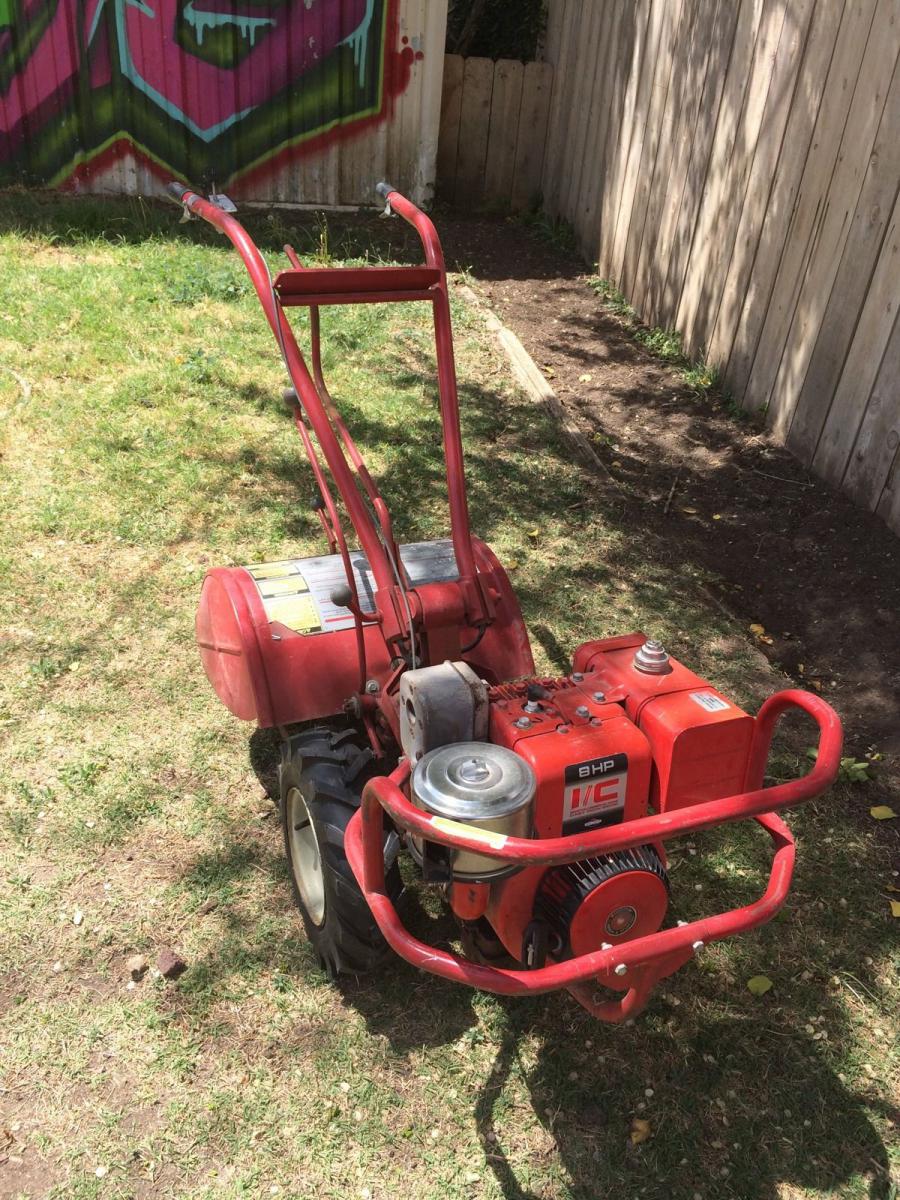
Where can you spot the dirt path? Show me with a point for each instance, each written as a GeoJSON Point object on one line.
{"type": "Point", "coordinates": [779, 547]}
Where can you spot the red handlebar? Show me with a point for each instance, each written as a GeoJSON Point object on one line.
{"type": "Point", "coordinates": [477, 613]}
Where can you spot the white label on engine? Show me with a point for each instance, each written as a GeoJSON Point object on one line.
{"type": "Point", "coordinates": [594, 790]}
{"type": "Point", "coordinates": [710, 702]}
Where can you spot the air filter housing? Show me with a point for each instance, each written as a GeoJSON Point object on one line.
{"type": "Point", "coordinates": [478, 784]}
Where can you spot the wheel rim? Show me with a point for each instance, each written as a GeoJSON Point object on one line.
{"type": "Point", "coordinates": [306, 861]}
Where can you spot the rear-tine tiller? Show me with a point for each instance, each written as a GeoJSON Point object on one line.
{"type": "Point", "coordinates": [401, 679]}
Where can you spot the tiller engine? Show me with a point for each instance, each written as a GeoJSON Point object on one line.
{"type": "Point", "coordinates": [402, 682]}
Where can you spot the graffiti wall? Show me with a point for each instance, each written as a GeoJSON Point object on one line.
{"type": "Point", "coordinates": [231, 92]}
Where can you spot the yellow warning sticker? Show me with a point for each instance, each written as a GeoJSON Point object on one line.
{"type": "Point", "coordinates": [273, 570]}
{"type": "Point", "coordinates": [281, 587]}
{"type": "Point", "coordinates": [297, 612]}
{"type": "Point", "coordinates": [490, 837]}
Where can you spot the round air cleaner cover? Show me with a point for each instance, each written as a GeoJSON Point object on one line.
{"type": "Point", "coordinates": [473, 781]}
{"type": "Point", "coordinates": [478, 784]}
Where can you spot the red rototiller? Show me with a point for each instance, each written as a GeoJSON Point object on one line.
{"type": "Point", "coordinates": [402, 682]}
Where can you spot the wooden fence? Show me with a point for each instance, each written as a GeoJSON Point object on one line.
{"type": "Point", "coordinates": [733, 165]}
{"type": "Point", "coordinates": [493, 132]}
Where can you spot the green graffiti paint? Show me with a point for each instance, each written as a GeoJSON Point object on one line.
{"type": "Point", "coordinates": [202, 89]}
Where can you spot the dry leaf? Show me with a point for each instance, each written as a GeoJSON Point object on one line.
{"type": "Point", "coordinates": [690, 511]}
{"type": "Point", "coordinates": [549, 372]}
{"type": "Point", "coordinates": [759, 630]}
{"type": "Point", "coordinates": [511, 565]}
{"type": "Point", "coordinates": [534, 534]}
{"type": "Point", "coordinates": [895, 908]}
{"type": "Point", "coordinates": [717, 516]}
{"type": "Point", "coordinates": [881, 812]}
{"type": "Point", "coordinates": [759, 985]}
{"type": "Point", "coordinates": [585, 378]}
{"type": "Point", "coordinates": [640, 1131]}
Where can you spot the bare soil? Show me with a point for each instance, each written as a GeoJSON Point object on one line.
{"type": "Point", "coordinates": [779, 547]}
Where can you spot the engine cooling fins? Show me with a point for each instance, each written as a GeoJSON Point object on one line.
{"type": "Point", "coordinates": [609, 898]}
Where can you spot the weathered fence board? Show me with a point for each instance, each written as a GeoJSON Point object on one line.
{"type": "Point", "coordinates": [503, 132]}
{"type": "Point", "coordinates": [536, 91]}
{"type": "Point", "coordinates": [451, 106]}
{"type": "Point", "coordinates": [493, 132]}
{"type": "Point", "coordinates": [734, 165]}
{"type": "Point", "coordinates": [474, 128]}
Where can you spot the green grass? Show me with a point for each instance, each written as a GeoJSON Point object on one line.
{"type": "Point", "coordinates": [143, 442]}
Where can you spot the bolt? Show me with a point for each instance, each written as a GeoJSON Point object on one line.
{"type": "Point", "coordinates": [582, 711]}
{"type": "Point", "coordinates": [606, 945]}
{"type": "Point", "coordinates": [577, 676]}
{"type": "Point", "coordinates": [562, 729]}
{"type": "Point", "coordinates": [523, 723]}
{"type": "Point", "coordinates": [532, 706]}
{"type": "Point", "coordinates": [599, 697]}
{"type": "Point", "coordinates": [698, 946]}
{"type": "Point", "coordinates": [620, 969]}
{"type": "Point", "coordinates": [372, 686]}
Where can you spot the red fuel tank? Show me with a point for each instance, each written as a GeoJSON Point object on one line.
{"type": "Point", "coordinates": [700, 740]}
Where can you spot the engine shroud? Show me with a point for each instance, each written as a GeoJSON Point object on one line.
{"type": "Point", "coordinates": [607, 744]}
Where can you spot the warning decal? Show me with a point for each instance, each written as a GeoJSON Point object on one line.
{"type": "Point", "coordinates": [595, 792]}
{"type": "Point", "coordinates": [274, 570]}
{"type": "Point", "coordinates": [297, 592]}
{"type": "Point", "coordinates": [285, 596]}
{"type": "Point", "coordinates": [296, 612]}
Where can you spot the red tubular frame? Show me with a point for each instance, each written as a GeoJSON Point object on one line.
{"type": "Point", "coordinates": [329, 429]}
{"type": "Point", "coordinates": [631, 966]}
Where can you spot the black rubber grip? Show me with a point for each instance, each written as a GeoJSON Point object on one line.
{"type": "Point", "coordinates": [176, 190]}
{"type": "Point", "coordinates": [384, 189]}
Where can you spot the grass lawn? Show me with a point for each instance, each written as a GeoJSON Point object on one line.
{"type": "Point", "coordinates": [143, 440]}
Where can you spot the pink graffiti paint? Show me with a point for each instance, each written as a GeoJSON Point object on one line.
{"type": "Point", "coordinates": [284, 42]}
{"type": "Point", "coordinates": [209, 97]}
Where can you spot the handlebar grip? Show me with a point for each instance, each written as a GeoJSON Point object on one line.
{"type": "Point", "coordinates": [384, 189]}
{"type": "Point", "coordinates": [176, 190]}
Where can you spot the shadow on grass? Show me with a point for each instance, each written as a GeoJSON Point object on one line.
{"type": "Point", "coordinates": [709, 1137]}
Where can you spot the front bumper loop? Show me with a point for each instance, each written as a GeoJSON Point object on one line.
{"type": "Point", "coordinates": [647, 959]}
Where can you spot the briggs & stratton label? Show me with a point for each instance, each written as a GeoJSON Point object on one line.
{"type": "Point", "coordinates": [595, 792]}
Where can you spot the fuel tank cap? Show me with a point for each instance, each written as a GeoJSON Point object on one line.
{"type": "Point", "coordinates": [652, 658]}
{"type": "Point", "coordinates": [473, 781]}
